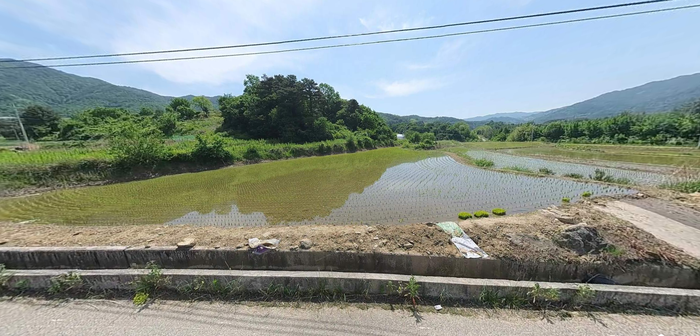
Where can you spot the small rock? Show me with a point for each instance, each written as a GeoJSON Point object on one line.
{"type": "Point", "coordinates": [3, 242]}
{"type": "Point", "coordinates": [438, 307]}
{"type": "Point", "coordinates": [361, 241]}
{"type": "Point", "coordinates": [186, 243]}
{"type": "Point", "coordinates": [358, 232]}
{"type": "Point", "coordinates": [77, 233]}
{"type": "Point", "coordinates": [640, 195]}
{"type": "Point", "coordinates": [582, 239]}
{"type": "Point", "coordinates": [355, 246]}
{"type": "Point", "coordinates": [149, 241]}
{"type": "Point", "coordinates": [240, 246]}
{"type": "Point", "coordinates": [383, 242]}
{"type": "Point", "coordinates": [375, 238]}
{"type": "Point", "coordinates": [306, 244]}
{"type": "Point", "coordinates": [147, 246]}
{"type": "Point", "coordinates": [294, 248]}
{"type": "Point", "coordinates": [371, 229]}
{"type": "Point", "coordinates": [376, 246]}
{"type": "Point", "coordinates": [216, 247]}
{"type": "Point", "coordinates": [408, 245]}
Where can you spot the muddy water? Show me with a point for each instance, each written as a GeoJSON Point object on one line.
{"type": "Point", "coordinates": [383, 186]}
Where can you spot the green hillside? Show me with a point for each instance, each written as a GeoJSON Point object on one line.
{"type": "Point", "coordinates": [392, 119]}
{"type": "Point", "coordinates": [68, 94]}
{"type": "Point", "coordinates": [654, 97]}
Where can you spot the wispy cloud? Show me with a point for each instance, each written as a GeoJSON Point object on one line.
{"type": "Point", "coordinates": [384, 19]}
{"type": "Point", "coordinates": [409, 87]}
{"type": "Point", "coordinates": [450, 53]}
{"type": "Point", "coordinates": [130, 26]}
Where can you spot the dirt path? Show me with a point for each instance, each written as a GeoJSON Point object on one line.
{"type": "Point", "coordinates": [673, 211]}
{"type": "Point", "coordinates": [671, 231]}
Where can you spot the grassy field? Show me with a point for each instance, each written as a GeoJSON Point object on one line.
{"type": "Point", "coordinates": [51, 156]}
{"type": "Point", "coordinates": [661, 155]}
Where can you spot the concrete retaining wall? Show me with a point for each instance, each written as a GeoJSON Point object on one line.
{"type": "Point", "coordinates": [372, 284]}
{"type": "Point", "coordinates": [120, 257]}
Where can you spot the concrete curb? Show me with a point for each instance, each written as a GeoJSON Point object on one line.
{"type": "Point", "coordinates": [371, 284]}
{"type": "Point", "coordinates": [122, 257]}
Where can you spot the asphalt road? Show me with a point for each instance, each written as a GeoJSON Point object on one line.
{"type": "Point", "coordinates": [102, 317]}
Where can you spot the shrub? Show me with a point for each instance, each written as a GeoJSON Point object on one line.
{"type": "Point", "coordinates": [351, 144]}
{"type": "Point", "coordinates": [573, 175]}
{"type": "Point", "coordinates": [211, 147]}
{"type": "Point", "coordinates": [587, 194]}
{"type": "Point", "coordinates": [546, 171]}
{"type": "Point", "coordinates": [481, 213]}
{"type": "Point", "coordinates": [252, 153]}
{"type": "Point", "coordinates": [132, 147]}
{"type": "Point", "coordinates": [426, 144]}
{"type": "Point", "coordinates": [498, 212]}
{"type": "Point", "coordinates": [484, 163]}
{"type": "Point", "coordinates": [565, 200]}
{"type": "Point", "coordinates": [464, 215]}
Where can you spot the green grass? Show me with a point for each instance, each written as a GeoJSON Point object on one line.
{"type": "Point", "coordinates": [483, 163]}
{"type": "Point", "coordinates": [50, 156]}
{"type": "Point", "coordinates": [277, 189]}
{"type": "Point", "coordinates": [686, 187]}
{"type": "Point", "coordinates": [519, 169]}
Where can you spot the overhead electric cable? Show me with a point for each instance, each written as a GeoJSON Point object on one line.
{"type": "Point", "coordinates": [358, 43]}
{"type": "Point", "coordinates": [321, 38]}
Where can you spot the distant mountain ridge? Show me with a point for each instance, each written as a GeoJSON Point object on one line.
{"type": "Point", "coordinates": [653, 97]}
{"type": "Point", "coordinates": [68, 94]}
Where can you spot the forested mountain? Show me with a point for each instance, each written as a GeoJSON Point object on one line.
{"type": "Point", "coordinates": [654, 97]}
{"type": "Point", "coordinates": [392, 119]}
{"type": "Point", "coordinates": [68, 94]}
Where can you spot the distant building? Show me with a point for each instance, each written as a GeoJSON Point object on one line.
{"type": "Point", "coordinates": [400, 136]}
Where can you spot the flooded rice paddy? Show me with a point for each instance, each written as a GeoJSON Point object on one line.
{"type": "Point", "coordinates": [390, 186]}
{"type": "Point", "coordinates": [638, 177]}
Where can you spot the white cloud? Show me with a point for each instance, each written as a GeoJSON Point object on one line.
{"type": "Point", "coordinates": [128, 26]}
{"type": "Point", "coordinates": [383, 19]}
{"type": "Point", "coordinates": [409, 87]}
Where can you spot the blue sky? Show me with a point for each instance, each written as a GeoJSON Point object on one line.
{"type": "Point", "coordinates": [525, 70]}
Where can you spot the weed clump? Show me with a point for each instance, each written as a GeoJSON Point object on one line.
{"type": "Point", "coordinates": [587, 194]}
{"type": "Point", "coordinates": [148, 284]}
{"type": "Point", "coordinates": [602, 176]}
{"type": "Point", "coordinates": [484, 163]}
{"type": "Point", "coordinates": [481, 214]}
{"type": "Point", "coordinates": [573, 175]}
{"type": "Point", "coordinates": [546, 171]}
{"type": "Point", "coordinates": [565, 200]}
{"type": "Point", "coordinates": [464, 215]}
{"type": "Point", "coordinates": [498, 212]}
{"type": "Point", "coordinates": [64, 283]}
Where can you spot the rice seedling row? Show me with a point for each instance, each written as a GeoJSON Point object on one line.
{"type": "Point", "coordinates": [502, 160]}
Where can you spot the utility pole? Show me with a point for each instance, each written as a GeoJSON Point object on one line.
{"type": "Point", "coordinates": [21, 126]}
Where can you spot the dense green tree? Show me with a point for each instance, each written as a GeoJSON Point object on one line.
{"type": "Point", "coordinates": [182, 107]}
{"type": "Point", "coordinates": [203, 104]}
{"type": "Point", "coordinates": [39, 121]}
{"type": "Point", "coordinates": [290, 110]}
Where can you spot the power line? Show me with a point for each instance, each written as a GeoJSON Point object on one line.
{"type": "Point", "coordinates": [579, 10]}
{"type": "Point", "coordinates": [360, 43]}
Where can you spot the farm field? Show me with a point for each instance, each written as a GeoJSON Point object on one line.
{"type": "Point", "coordinates": [655, 155]}
{"type": "Point", "coordinates": [384, 186]}
{"type": "Point", "coordinates": [522, 163]}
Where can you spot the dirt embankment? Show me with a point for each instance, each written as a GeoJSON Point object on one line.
{"type": "Point", "coordinates": [531, 237]}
